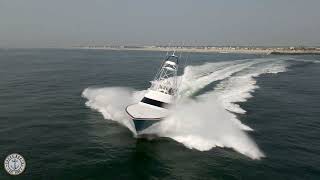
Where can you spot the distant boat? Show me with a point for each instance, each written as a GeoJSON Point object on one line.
{"type": "Point", "coordinates": [163, 91]}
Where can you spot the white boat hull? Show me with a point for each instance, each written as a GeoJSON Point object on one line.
{"type": "Point", "coordinates": [144, 115]}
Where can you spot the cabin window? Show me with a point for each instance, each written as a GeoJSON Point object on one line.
{"type": "Point", "coordinates": [154, 102]}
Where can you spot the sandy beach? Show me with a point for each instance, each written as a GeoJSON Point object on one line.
{"type": "Point", "coordinates": [203, 49]}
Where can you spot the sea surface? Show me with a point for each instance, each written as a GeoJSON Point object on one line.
{"type": "Point", "coordinates": [238, 116]}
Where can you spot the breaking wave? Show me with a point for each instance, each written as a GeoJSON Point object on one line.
{"type": "Point", "coordinates": [198, 121]}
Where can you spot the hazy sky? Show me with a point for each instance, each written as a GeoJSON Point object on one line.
{"type": "Point", "coordinates": [64, 23]}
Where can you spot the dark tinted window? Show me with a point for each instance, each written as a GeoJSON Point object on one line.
{"type": "Point", "coordinates": [153, 102]}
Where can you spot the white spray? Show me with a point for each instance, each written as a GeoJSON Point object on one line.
{"type": "Point", "coordinates": [205, 121]}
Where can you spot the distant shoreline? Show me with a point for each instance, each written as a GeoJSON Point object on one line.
{"type": "Point", "coordinates": [210, 49]}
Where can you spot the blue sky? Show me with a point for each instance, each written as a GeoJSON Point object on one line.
{"type": "Point", "coordinates": [64, 23]}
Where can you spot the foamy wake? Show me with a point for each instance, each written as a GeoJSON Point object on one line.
{"type": "Point", "coordinates": [205, 121]}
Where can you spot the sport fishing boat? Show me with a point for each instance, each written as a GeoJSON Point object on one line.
{"type": "Point", "coordinates": [163, 91]}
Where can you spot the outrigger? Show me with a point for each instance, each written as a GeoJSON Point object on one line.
{"type": "Point", "coordinates": [163, 92]}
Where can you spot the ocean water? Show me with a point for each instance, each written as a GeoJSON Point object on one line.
{"type": "Point", "coordinates": [238, 116]}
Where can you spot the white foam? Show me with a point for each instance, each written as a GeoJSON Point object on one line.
{"type": "Point", "coordinates": [112, 101]}
{"type": "Point", "coordinates": [239, 87]}
{"type": "Point", "coordinates": [304, 60]}
{"type": "Point", "coordinates": [204, 122]}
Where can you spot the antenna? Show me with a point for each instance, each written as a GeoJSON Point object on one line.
{"type": "Point", "coordinates": [168, 49]}
{"type": "Point", "coordinates": [181, 50]}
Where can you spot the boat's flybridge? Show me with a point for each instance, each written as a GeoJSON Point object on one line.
{"type": "Point", "coordinates": [154, 105]}
{"type": "Point", "coordinates": [166, 79]}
